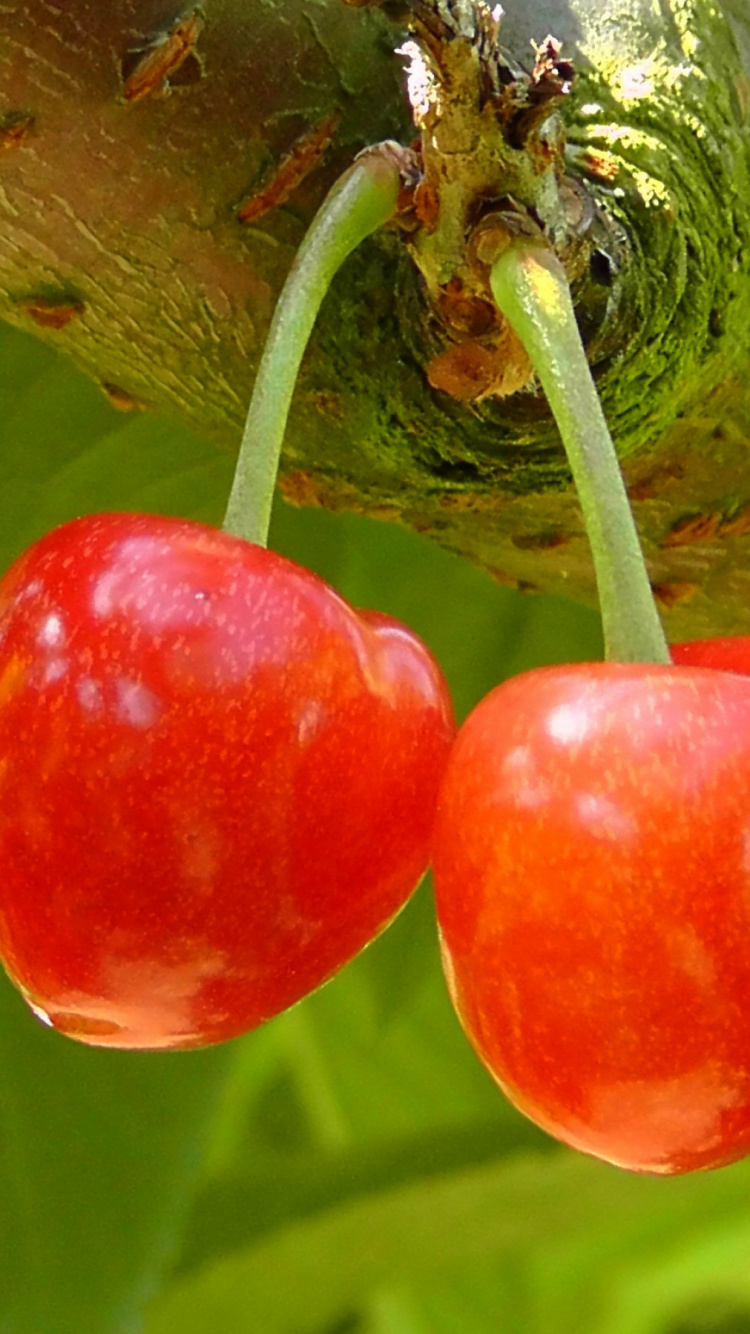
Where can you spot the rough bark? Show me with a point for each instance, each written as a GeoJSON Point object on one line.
{"type": "Point", "coordinates": [120, 181]}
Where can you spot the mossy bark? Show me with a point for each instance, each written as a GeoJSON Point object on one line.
{"type": "Point", "coordinates": [121, 243]}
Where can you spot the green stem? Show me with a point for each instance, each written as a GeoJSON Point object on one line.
{"type": "Point", "coordinates": [362, 200]}
{"type": "Point", "coordinates": [531, 289]}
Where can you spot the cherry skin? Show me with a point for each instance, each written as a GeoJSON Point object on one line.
{"type": "Point", "coordinates": [730, 654]}
{"type": "Point", "coordinates": [592, 874]}
{"type": "Point", "coordinates": [218, 779]}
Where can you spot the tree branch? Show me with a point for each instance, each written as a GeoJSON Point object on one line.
{"type": "Point", "coordinates": [121, 243]}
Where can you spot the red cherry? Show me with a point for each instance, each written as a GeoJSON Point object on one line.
{"type": "Point", "coordinates": [724, 655]}
{"type": "Point", "coordinates": [218, 780]}
{"type": "Point", "coordinates": [592, 873]}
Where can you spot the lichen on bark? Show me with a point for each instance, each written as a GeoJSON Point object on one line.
{"type": "Point", "coordinates": [123, 213]}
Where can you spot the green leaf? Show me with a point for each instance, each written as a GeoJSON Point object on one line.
{"type": "Point", "coordinates": [273, 1191]}
{"type": "Point", "coordinates": [98, 1155]}
{"type": "Point", "coordinates": [316, 1269]}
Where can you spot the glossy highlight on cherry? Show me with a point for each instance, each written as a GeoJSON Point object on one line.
{"type": "Point", "coordinates": [218, 779]}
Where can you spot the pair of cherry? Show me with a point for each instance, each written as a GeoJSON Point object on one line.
{"type": "Point", "coordinates": [219, 782]}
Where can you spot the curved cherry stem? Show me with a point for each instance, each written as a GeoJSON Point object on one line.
{"type": "Point", "coordinates": [530, 287]}
{"type": "Point", "coordinates": [362, 200]}
{"type": "Point", "coordinates": [359, 203]}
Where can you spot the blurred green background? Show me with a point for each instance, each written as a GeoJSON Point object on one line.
{"type": "Point", "coordinates": [349, 1169]}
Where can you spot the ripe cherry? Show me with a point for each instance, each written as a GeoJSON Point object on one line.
{"type": "Point", "coordinates": [730, 654]}
{"type": "Point", "coordinates": [592, 843]}
{"type": "Point", "coordinates": [218, 779]}
{"type": "Point", "coordinates": [592, 874]}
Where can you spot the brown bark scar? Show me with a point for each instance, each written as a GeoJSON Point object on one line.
{"type": "Point", "coordinates": [698, 528]}
{"type": "Point", "coordinates": [148, 69]}
{"type": "Point", "coordinates": [121, 399]}
{"type": "Point", "coordinates": [14, 129]}
{"type": "Point", "coordinates": [51, 312]}
{"type": "Point", "coordinates": [669, 595]}
{"type": "Point", "coordinates": [738, 525]}
{"type": "Point", "coordinates": [304, 155]}
{"type": "Point", "coordinates": [546, 540]}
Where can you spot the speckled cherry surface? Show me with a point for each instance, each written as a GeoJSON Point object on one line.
{"type": "Point", "coordinates": [592, 874]}
{"type": "Point", "coordinates": [217, 780]}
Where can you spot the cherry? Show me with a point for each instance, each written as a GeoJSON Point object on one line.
{"type": "Point", "coordinates": [592, 844]}
{"type": "Point", "coordinates": [729, 654]}
{"type": "Point", "coordinates": [218, 779]}
{"type": "Point", "coordinates": [592, 874]}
